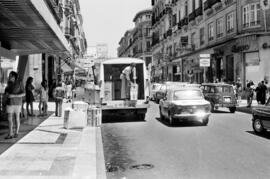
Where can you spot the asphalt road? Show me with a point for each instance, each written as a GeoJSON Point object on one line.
{"type": "Point", "coordinates": [226, 148]}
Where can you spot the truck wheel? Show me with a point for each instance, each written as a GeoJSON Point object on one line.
{"type": "Point", "coordinates": [232, 109]}
{"type": "Point", "coordinates": [141, 117]}
{"type": "Point", "coordinates": [257, 126]}
{"type": "Point", "coordinates": [161, 116]}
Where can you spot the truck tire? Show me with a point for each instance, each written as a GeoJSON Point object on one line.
{"type": "Point", "coordinates": [141, 117]}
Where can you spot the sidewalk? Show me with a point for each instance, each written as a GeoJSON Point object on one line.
{"type": "Point", "coordinates": [50, 151]}
{"type": "Point", "coordinates": [243, 106]}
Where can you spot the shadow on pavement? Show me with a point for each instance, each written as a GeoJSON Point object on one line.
{"type": "Point", "coordinates": [120, 119]}
{"type": "Point", "coordinates": [220, 111]}
{"type": "Point", "coordinates": [27, 125]}
{"type": "Point", "coordinates": [265, 135]}
{"type": "Point", "coordinates": [180, 124]}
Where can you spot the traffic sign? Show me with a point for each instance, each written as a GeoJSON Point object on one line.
{"type": "Point", "coordinates": [204, 60]}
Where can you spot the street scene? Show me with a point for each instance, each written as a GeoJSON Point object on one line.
{"type": "Point", "coordinates": [135, 89]}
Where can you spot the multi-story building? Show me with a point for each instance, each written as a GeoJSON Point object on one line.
{"type": "Point", "coordinates": [137, 42]}
{"type": "Point", "coordinates": [42, 35]}
{"type": "Point", "coordinates": [235, 33]}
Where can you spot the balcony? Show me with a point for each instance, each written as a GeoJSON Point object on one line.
{"type": "Point", "coordinates": [199, 11]}
{"type": "Point", "coordinates": [179, 25]}
{"type": "Point", "coordinates": [169, 32]}
{"type": "Point", "coordinates": [54, 7]}
{"type": "Point", "coordinates": [228, 2]}
{"type": "Point", "coordinates": [184, 21]}
{"type": "Point", "coordinates": [209, 3]}
{"type": "Point", "coordinates": [191, 16]}
{"type": "Point", "coordinates": [206, 5]}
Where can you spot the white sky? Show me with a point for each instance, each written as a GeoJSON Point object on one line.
{"type": "Point", "coordinates": [106, 21]}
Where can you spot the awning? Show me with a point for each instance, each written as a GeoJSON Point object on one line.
{"type": "Point", "coordinates": [28, 27]}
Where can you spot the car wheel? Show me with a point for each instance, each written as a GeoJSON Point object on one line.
{"type": "Point", "coordinates": [232, 109]}
{"type": "Point", "coordinates": [257, 126]}
{"type": "Point", "coordinates": [171, 120]}
{"type": "Point", "coordinates": [205, 121]}
{"type": "Point", "coordinates": [212, 107]}
{"type": "Point", "coordinates": [160, 113]}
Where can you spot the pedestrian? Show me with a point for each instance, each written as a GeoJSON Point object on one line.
{"type": "Point", "coordinates": [58, 95]}
{"type": "Point", "coordinates": [263, 93]}
{"type": "Point", "coordinates": [69, 90]}
{"type": "Point", "coordinates": [126, 81]}
{"type": "Point", "coordinates": [234, 88]}
{"type": "Point", "coordinates": [43, 103]}
{"type": "Point", "coordinates": [249, 92]}
{"type": "Point", "coordinates": [29, 96]}
{"type": "Point", "coordinates": [14, 92]}
{"type": "Point", "coordinates": [238, 89]}
{"type": "Point", "coordinates": [258, 93]}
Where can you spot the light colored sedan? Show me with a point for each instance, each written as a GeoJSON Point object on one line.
{"type": "Point", "coordinates": [185, 104]}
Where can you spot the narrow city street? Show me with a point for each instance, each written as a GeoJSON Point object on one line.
{"type": "Point", "coordinates": [226, 148]}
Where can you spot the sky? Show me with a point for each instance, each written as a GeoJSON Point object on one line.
{"type": "Point", "coordinates": [106, 21]}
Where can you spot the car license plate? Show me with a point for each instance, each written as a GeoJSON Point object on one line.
{"type": "Point", "coordinates": [227, 99]}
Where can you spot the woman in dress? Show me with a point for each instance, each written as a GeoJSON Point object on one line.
{"type": "Point", "coordinates": [29, 97]}
{"type": "Point", "coordinates": [43, 103]}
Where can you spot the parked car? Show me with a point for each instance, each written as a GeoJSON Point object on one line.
{"type": "Point", "coordinates": [166, 86]}
{"type": "Point", "coordinates": [184, 104]}
{"type": "Point", "coordinates": [261, 118]}
{"type": "Point", "coordinates": [154, 88]}
{"type": "Point", "coordinates": [220, 95]}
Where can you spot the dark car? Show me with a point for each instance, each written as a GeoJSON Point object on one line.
{"type": "Point", "coordinates": [220, 95]}
{"type": "Point", "coordinates": [154, 88]}
{"type": "Point", "coordinates": [160, 94]}
{"type": "Point", "coordinates": [261, 118]}
{"type": "Point", "coordinates": [185, 104]}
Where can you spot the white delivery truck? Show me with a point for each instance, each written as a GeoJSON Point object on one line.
{"type": "Point", "coordinates": [108, 74]}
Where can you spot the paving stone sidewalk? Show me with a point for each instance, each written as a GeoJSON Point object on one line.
{"type": "Point", "coordinates": [51, 151]}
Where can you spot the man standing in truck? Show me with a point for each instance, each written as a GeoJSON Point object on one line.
{"type": "Point", "coordinates": [126, 80]}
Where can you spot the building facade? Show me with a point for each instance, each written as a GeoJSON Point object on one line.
{"type": "Point", "coordinates": [137, 41]}
{"type": "Point", "coordinates": [46, 36]}
{"type": "Point", "coordinates": [235, 33]}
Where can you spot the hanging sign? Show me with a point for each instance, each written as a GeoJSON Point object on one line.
{"type": "Point", "coordinates": [204, 60]}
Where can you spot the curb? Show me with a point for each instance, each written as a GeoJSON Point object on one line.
{"type": "Point", "coordinates": [101, 169]}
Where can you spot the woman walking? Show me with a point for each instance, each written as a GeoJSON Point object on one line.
{"type": "Point", "coordinates": [14, 92]}
{"type": "Point", "coordinates": [29, 97]}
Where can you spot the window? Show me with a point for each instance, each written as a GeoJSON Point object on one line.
{"type": "Point", "coordinates": [192, 39]}
{"type": "Point", "coordinates": [210, 31]}
{"type": "Point", "coordinates": [251, 15]}
{"type": "Point", "coordinates": [220, 27]}
{"type": "Point", "coordinates": [201, 36]}
{"type": "Point", "coordinates": [230, 25]}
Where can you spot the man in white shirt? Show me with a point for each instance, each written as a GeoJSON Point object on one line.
{"type": "Point", "coordinates": [126, 81]}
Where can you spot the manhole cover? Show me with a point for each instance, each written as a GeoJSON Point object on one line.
{"type": "Point", "coordinates": [111, 168]}
{"type": "Point", "coordinates": [142, 166]}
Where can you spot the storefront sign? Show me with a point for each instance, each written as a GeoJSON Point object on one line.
{"type": "Point", "coordinates": [239, 48]}
{"type": "Point", "coordinates": [204, 60]}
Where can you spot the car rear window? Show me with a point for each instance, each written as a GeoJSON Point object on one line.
{"type": "Point", "coordinates": [224, 89]}
{"type": "Point", "coordinates": [156, 87]}
{"type": "Point", "coordinates": [187, 95]}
